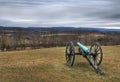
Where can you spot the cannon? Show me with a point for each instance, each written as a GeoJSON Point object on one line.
{"type": "Point", "coordinates": [94, 55]}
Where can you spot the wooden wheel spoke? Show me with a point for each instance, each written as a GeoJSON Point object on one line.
{"type": "Point", "coordinates": [98, 49]}
{"type": "Point", "coordinates": [67, 58]}
{"type": "Point", "coordinates": [98, 59]}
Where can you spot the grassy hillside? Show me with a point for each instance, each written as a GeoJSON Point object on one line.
{"type": "Point", "coordinates": [48, 65]}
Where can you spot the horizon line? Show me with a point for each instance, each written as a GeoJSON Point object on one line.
{"type": "Point", "coordinates": [62, 27]}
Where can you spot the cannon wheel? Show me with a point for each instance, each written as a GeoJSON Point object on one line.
{"type": "Point", "coordinates": [97, 53]}
{"type": "Point", "coordinates": [70, 54]}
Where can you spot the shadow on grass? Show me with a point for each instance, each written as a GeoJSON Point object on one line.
{"type": "Point", "coordinates": [83, 66]}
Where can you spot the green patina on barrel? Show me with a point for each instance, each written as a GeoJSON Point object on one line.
{"type": "Point", "coordinates": [84, 48]}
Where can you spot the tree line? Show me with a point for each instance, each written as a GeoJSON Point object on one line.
{"type": "Point", "coordinates": [20, 39]}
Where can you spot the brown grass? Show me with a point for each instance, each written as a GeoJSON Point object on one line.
{"type": "Point", "coordinates": [48, 65]}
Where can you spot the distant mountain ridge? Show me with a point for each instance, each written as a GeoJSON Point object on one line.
{"type": "Point", "coordinates": [101, 29]}
{"type": "Point", "coordinates": [60, 29]}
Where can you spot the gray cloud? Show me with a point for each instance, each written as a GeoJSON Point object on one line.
{"type": "Point", "coordinates": [90, 13]}
{"type": "Point", "coordinates": [108, 12]}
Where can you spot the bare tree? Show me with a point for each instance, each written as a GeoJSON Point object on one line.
{"type": "Point", "coordinates": [3, 40]}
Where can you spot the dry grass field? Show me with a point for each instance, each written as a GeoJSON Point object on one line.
{"type": "Point", "coordinates": [48, 65]}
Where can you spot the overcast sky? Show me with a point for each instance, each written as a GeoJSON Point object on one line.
{"type": "Point", "coordinates": [51, 13]}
